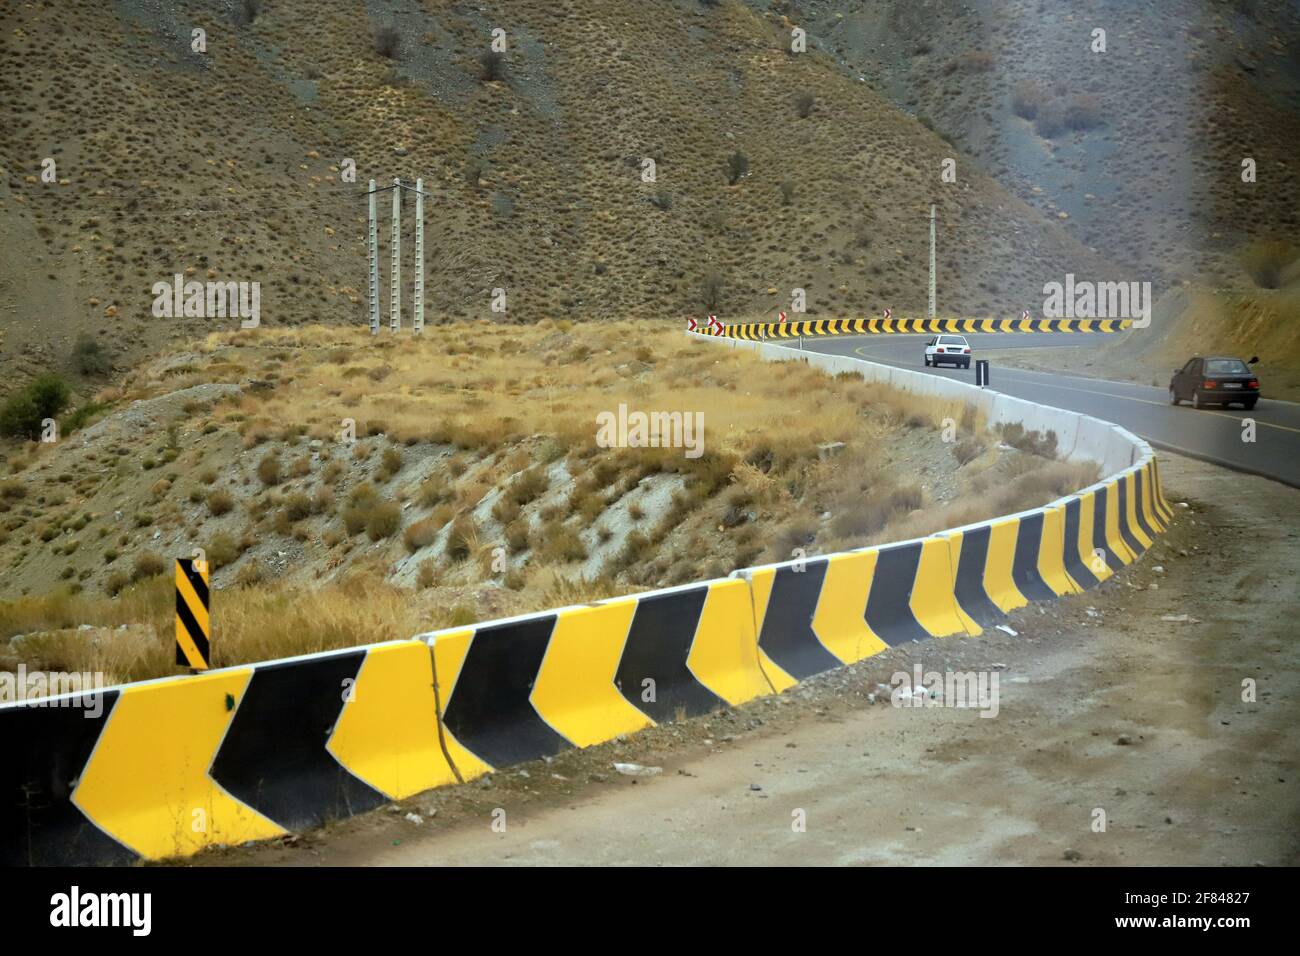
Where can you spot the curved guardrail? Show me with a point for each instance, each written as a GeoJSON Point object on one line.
{"type": "Point", "coordinates": [169, 767]}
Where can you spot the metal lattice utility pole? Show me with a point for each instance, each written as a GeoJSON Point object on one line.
{"type": "Point", "coordinates": [372, 250]}
{"type": "Point", "coordinates": [395, 271]}
{"type": "Point", "coordinates": [932, 260]}
{"type": "Point", "coordinates": [418, 304]}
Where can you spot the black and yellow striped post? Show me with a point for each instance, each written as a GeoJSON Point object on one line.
{"type": "Point", "coordinates": [193, 628]}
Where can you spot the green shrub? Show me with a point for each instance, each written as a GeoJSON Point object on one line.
{"type": "Point", "coordinates": [88, 356]}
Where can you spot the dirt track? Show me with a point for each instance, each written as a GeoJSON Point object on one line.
{"type": "Point", "coordinates": [1204, 779]}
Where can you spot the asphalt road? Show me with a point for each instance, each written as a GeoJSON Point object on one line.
{"type": "Point", "coordinates": [1213, 434]}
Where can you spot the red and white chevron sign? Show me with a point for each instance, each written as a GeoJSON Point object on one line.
{"type": "Point", "coordinates": [780, 316]}
{"type": "Point", "coordinates": [714, 325]}
{"type": "Point", "coordinates": [1024, 316]}
{"type": "Point", "coordinates": [692, 325]}
{"type": "Point", "coordinates": [889, 313]}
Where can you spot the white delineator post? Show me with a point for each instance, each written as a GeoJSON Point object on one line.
{"type": "Point", "coordinates": [932, 261]}
{"type": "Point", "coordinates": [418, 304]}
{"type": "Point", "coordinates": [395, 271]}
{"type": "Point", "coordinates": [372, 250]}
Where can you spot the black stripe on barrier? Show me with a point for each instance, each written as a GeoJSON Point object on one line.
{"type": "Point", "coordinates": [658, 643]}
{"type": "Point", "coordinates": [1024, 563]}
{"type": "Point", "coordinates": [1125, 530]}
{"type": "Point", "coordinates": [969, 588]}
{"type": "Point", "coordinates": [489, 711]}
{"type": "Point", "coordinates": [273, 757]}
{"type": "Point", "coordinates": [1079, 571]}
{"type": "Point", "coordinates": [1139, 489]}
{"type": "Point", "coordinates": [889, 612]}
{"type": "Point", "coordinates": [45, 749]}
{"type": "Point", "coordinates": [1101, 502]}
{"type": "Point", "coordinates": [787, 636]}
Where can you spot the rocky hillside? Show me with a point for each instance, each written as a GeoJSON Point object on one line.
{"type": "Point", "coordinates": [1136, 150]}
{"type": "Point", "coordinates": [773, 169]}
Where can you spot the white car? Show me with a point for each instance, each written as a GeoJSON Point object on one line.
{"type": "Point", "coordinates": [948, 348]}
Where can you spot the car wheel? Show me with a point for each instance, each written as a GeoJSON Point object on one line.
{"type": "Point", "coordinates": [1249, 403]}
{"type": "Point", "coordinates": [1173, 397]}
{"type": "Point", "coordinates": [927, 361]}
{"type": "Point", "coordinates": [1197, 402]}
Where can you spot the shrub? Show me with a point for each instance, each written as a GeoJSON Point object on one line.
{"type": "Point", "coordinates": [147, 565]}
{"type": "Point", "coordinates": [419, 535]}
{"type": "Point", "coordinates": [268, 469]}
{"type": "Point", "coordinates": [462, 539]}
{"type": "Point", "coordinates": [1083, 112]}
{"type": "Point", "coordinates": [390, 464]}
{"type": "Point", "coordinates": [384, 520]}
{"type": "Point", "coordinates": [967, 450]}
{"type": "Point", "coordinates": [388, 42]}
{"type": "Point", "coordinates": [427, 575]}
{"type": "Point", "coordinates": [220, 502]}
{"type": "Point", "coordinates": [528, 486]}
{"type": "Point", "coordinates": [803, 104]}
{"type": "Point", "coordinates": [787, 191]}
{"type": "Point", "coordinates": [88, 356]}
{"type": "Point", "coordinates": [115, 582]}
{"type": "Point", "coordinates": [22, 414]}
{"type": "Point", "coordinates": [711, 290]}
{"type": "Point", "coordinates": [433, 491]}
{"type": "Point", "coordinates": [297, 506]}
{"type": "Point", "coordinates": [1050, 121]}
{"type": "Point", "coordinates": [737, 166]}
{"type": "Point", "coordinates": [223, 550]}
{"type": "Point", "coordinates": [557, 544]}
{"type": "Point", "coordinates": [492, 66]}
{"type": "Point", "coordinates": [1027, 98]}
{"type": "Point", "coordinates": [1267, 260]}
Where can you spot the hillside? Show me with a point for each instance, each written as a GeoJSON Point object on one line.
{"type": "Point", "coordinates": [458, 478]}
{"type": "Point", "coordinates": [225, 165]}
{"type": "Point", "coordinates": [1137, 150]}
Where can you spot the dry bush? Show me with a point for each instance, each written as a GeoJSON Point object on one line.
{"type": "Point", "coordinates": [528, 486]}
{"type": "Point", "coordinates": [147, 565]}
{"type": "Point", "coordinates": [1049, 122]}
{"type": "Point", "coordinates": [1027, 98]}
{"type": "Point", "coordinates": [463, 539]}
{"type": "Point", "coordinates": [419, 535]}
{"type": "Point", "coordinates": [555, 543]}
{"type": "Point", "coordinates": [220, 502]}
{"type": "Point", "coordinates": [390, 463]}
{"type": "Point", "coordinates": [384, 520]}
{"type": "Point", "coordinates": [427, 575]}
{"type": "Point", "coordinates": [1266, 261]}
{"type": "Point", "coordinates": [803, 104]}
{"type": "Point", "coordinates": [1082, 111]}
{"type": "Point", "coordinates": [268, 469]}
{"type": "Point", "coordinates": [967, 450]}
{"type": "Point", "coordinates": [388, 42]}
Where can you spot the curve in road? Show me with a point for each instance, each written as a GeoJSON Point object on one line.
{"type": "Point", "coordinates": [1215, 434]}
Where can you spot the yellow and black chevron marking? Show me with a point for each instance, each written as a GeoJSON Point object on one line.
{"type": "Point", "coordinates": [755, 331]}
{"type": "Point", "coordinates": [167, 768]}
{"type": "Point", "coordinates": [193, 629]}
{"type": "Point", "coordinates": [533, 686]}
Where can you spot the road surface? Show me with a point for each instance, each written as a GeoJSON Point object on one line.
{"type": "Point", "coordinates": [1212, 434]}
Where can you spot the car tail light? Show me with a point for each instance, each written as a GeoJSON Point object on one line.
{"type": "Point", "coordinates": [968, 351]}
{"type": "Point", "coordinates": [1254, 383]}
{"type": "Point", "coordinates": [1211, 383]}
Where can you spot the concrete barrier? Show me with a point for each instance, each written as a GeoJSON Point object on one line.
{"type": "Point", "coordinates": [166, 768]}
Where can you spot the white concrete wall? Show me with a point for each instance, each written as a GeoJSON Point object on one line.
{"type": "Point", "coordinates": [1078, 437]}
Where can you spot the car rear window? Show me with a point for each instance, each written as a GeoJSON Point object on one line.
{"type": "Point", "coordinates": [1226, 367]}
{"type": "Point", "coordinates": [951, 340]}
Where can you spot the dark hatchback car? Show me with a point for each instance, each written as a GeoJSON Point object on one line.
{"type": "Point", "coordinates": [1217, 380]}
